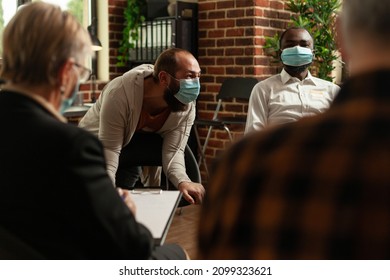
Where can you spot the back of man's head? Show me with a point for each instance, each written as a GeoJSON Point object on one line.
{"type": "Point", "coordinates": [365, 35]}
{"type": "Point", "coordinates": [370, 18]}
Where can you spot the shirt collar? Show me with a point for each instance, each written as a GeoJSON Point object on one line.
{"type": "Point", "coordinates": [286, 77]}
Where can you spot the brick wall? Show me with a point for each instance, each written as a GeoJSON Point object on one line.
{"type": "Point", "coordinates": [116, 25]}
{"type": "Point", "coordinates": [231, 36]}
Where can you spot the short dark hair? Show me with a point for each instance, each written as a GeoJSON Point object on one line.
{"type": "Point", "coordinates": [167, 62]}
{"type": "Point", "coordinates": [293, 28]}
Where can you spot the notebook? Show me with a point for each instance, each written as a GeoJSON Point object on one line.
{"type": "Point", "coordinates": [155, 210]}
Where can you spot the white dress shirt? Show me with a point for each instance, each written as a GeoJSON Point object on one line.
{"type": "Point", "coordinates": [281, 99]}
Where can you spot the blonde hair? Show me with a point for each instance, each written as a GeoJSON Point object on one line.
{"type": "Point", "coordinates": [38, 40]}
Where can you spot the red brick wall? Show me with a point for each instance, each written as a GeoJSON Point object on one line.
{"type": "Point", "coordinates": [116, 25]}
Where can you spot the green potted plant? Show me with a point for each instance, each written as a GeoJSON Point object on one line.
{"type": "Point", "coordinates": [134, 17]}
{"type": "Point", "coordinates": [318, 17]}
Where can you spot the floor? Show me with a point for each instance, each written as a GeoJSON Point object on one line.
{"type": "Point", "coordinates": [183, 230]}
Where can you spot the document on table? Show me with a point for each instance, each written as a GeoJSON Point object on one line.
{"type": "Point", "coordinates": [155, 210]}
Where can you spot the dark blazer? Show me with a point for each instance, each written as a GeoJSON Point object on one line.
{"type": "Point", "coordinates": [55, 194]}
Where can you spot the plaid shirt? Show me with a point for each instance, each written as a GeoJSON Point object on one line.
{"type": "Point", "coordinates": [315, 189]}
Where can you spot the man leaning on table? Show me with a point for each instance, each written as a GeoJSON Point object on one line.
{"type": "Point", "coordinates": [157, 98]}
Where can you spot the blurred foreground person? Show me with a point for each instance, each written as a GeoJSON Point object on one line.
{"type": "Point", "coordinates": [318, 188]}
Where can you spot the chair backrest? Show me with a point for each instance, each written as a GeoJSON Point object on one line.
{"type": "Point", "coordinates": [145, 149]}
{"type": "Point", "coordinates": [237, 87]}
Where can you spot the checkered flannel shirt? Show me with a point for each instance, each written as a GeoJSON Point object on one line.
{"type": "Point", "coordinates": [315, 189]}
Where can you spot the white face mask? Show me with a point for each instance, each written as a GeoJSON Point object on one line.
{"type": "Point", "coordinates": [297, 56]}
{"type": "Point", "coordinates": [189, 90]}
{"type": "Point", "coordinates": [67, 102]}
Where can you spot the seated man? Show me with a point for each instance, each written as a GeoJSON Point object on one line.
{"type": "Point", "coordinates": [160, 99]}
{"type": "Point", "coordinates": [294, 93]}
{"type": "Point", "coordinates": [56, 197]}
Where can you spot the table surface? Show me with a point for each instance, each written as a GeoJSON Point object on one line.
{"type": "Point", "coordinates": [155, 210]}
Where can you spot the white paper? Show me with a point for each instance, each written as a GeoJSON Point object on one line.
{"type": "Point", "coordinates": [155, 210]}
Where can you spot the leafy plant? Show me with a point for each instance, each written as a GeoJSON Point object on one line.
{"type": "Point", "coordinates": [134, 17]}
{"type": "Point", "coordinates": [272, 47]}
{"type": "Point", "coordinates": [318, 17]}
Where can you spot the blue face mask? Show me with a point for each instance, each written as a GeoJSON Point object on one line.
{"type": "Point", "coordinates": [189, 90]}
{"type": "Point", "coordinates": [66, 103]}
{"type": "Point", "coordinates": [297, 56]}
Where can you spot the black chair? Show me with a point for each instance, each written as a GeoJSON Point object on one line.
{"type": "Point", "coordinates": [237, 87]}
{"type": "Point", "coordinates": [145, 149]}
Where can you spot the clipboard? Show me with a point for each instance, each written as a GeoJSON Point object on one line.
{"type": "Point", "coordinates": [155, 210]}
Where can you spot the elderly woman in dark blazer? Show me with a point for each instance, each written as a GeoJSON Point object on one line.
{"type": "Point", "coordinates": [55, 195]}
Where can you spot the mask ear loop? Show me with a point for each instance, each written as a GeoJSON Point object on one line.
{"type": "Point", "coordinates": [167, 86]}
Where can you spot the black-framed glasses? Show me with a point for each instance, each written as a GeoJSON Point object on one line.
{"type": "Point", "coordinates": [85, 72]}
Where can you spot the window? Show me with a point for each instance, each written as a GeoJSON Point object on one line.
{"type": "Point", "coordinates": [83, 10]}
{"type": "Point", "coordinates": [9, 7]}
{"type": "Point", "coordinates": [7, 10]}
{"type": "Point", "coordinates": [73, 6]}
